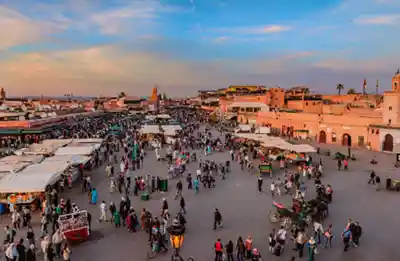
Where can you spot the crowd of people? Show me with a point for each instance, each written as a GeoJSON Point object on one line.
{"type": "Point", "coordinates": [125, 154]}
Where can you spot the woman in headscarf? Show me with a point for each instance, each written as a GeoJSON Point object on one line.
{"type": "Point", "coordinates": [94, 196]}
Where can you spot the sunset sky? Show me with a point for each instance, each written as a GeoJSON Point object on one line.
{"type": "Point", "coordinates": [95, 47]}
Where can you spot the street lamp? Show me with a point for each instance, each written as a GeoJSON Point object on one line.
{"type": "Point", "coordinates": [176, 235]}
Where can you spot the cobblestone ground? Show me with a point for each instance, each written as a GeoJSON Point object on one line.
{"type": "Point", "coordinates": [245, 212]}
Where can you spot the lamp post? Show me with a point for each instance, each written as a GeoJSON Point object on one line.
{"type": "Point", "coordinates": [176, 235]}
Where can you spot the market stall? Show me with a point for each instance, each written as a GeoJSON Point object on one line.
{"type": "Point", "coordinates": [25, 187]}
{"type": "Point", "coordinates": [150, 129]}
{"type": "Point", "coordinates": [265, 168]}
{"type": "Point", "coordinates": [56, 143]}
{"type": "Point", "coordinates": [170, 130]}
{"type": "Point", "coordinates": [68, 159]}
{"type": "Point", "coordinates": [31, 159]}
{"type": "Point", "coordinates": [6, 168]}
{"type": "Point", "coordinates": [36, 149]}
{"type": "Point", "coordinates": [76, 150]}
{"type": "Point", "coordinates": [243, 128]}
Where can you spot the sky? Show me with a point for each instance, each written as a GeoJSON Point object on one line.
{"type": "Point", "coordinates": [104, 47]}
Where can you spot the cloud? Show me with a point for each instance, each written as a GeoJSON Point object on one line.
{"type": "Point", "coordinates": [115, 21]}
{"type": "Point", "coordinates": [108, 70]}
{"type": "Point", "coordinates": [121, 21]}
{"type": "Point", "coordinates": [255, 30]}
{"type": "Point", "coordinates": [392, 19]}
{"type": "Point", "coordinates": [18, 29]}
{"type": "Point", "coordinates": [221, 39]}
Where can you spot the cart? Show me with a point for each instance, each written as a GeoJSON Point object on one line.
{"type": "Point", "coordinates": [75, 226]}
{"type": "Point", "coordinates": [265, 168]}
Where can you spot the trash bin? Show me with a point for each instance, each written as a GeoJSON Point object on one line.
{"type": "Point", "coordinates": [145, 196]}
{"type": "Point", "coordinates": [388, 183]}
{"type": "Point", "coordinates": [164, 185]}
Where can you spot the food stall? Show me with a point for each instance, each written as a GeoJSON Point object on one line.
{"type": "Point", "coordinates": [75, 226]}
{"type": "Point", "coordinates": [171, 130]}
{"type": "Point", "coordinates": [14, 159]}
{"type": "Point", "coordinates": [25, 187]}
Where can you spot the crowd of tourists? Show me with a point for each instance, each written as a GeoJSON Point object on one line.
{"type": "Point", "coordinates": [123, 155]}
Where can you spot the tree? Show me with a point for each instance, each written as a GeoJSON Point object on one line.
{"type": "Point", "coordinates": [377, 87]}
{"type": "Point", "coordinates": [351, 91]}
{"type": "Point", "coordinates": [339, 88]}
{"type": "Point", "coordinates": [164, 96]}
{"type": "Point", "coordinates": [121, 95]}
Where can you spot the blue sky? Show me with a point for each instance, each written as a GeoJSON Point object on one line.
{"type": "Point", "coordinates": [104, 47]}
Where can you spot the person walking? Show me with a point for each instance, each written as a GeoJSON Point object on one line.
{"type": "Point", "coordinates": [217, 219]}
{"type": "Point", "coordinates": [229, 250]}
{"type": "Point", "coordinates": [219, 249]}
{"type": "Point", "coordinates": [182, 205]}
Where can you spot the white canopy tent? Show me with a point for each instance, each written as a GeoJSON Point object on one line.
{"type": "Point", "coordinates": [303, 148]}
{"type": "Point", "coordinates": [33, 178]}
{"type": "Point", "coordinates": [170, 130]}
{"type": "Point", "coordinates": [150, 129]}
{"type": "Point", "coordinates": [76, 150]}
{"type": "Point", "coordinates": [12, 167]}
{"type": "Point", "coordinates": [263, 130]}
{"type": "Point", "coordinates": [36, 149]}
{"type": "Point", "coordinates": [56, 143]}
{"type": "Point", "coordinates": [69, 159]}
{"type": "Point", "coordinates": [31, 159]}
{"type": "Point", "coordinates": [86, 141]}
{"type": "Point", "coordinates": [243, 127]}
{"type": "Point", "coordinates": [150, 117]}
{"type": "Point", "coordinates": [164, 116]}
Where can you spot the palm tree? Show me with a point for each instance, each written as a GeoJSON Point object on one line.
{"type": "Point", "coordinates": [121, 95]}
{"type": "Point", "coordinates": [339, 88]}
{"type": "Point", "coordinates": [377, 87]}
{"type": "Point", "coordinates": [351, 91]}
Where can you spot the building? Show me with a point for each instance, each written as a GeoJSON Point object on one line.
{"type": "Point", "coordinates": [353, 120]}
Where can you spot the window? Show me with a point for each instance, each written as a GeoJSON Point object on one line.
{"type": "Point", "coordinates": [377, 132]}
{"type": "Point", "coordinates": [390, 108]}
{"type": "Point", "coordinates": [306, 103]}
{"type": "Point", "coordinates": [390, 121]}
{"type": "Point", "coordinates": [395, 85]}
{"type": "Point", "coordinates": [372, 131]}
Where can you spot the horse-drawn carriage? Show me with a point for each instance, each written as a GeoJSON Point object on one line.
{"type": "Point", "coordinates": [301, 211]}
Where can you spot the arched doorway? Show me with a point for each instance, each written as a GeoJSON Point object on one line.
{"type": "Point", "coordinates": [388, 143]}
{"type": "Point", "coordinates": [322, 137]}
{"type": "Point", "coordinates": [346, 140]}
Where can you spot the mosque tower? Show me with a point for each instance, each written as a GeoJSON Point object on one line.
{"type": "Point", "coordinates": [2, 94]}
{"type": "Point", "coordinates": [155, 99]}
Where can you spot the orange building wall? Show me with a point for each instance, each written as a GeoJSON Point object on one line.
{"type": "Point", "coordinates": [344, 98]}
{"type": "Point", "coordinates": [351, 124]}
